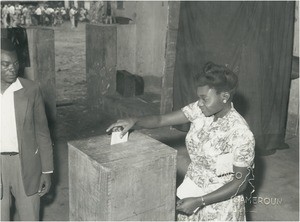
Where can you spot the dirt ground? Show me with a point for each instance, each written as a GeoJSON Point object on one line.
{"type": "Point", "coordinates": [70, 63]}
{"type": "Point", "coordinates": [71, 88]}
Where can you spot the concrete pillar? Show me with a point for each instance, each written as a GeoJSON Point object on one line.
{"type": "Point", "coordinates": [166, 104]}
{"type": "Point", "coordinates": [126, 47]}
{"type": "Point", "coordinates": [87, 5]}
{"type": "Point", "coordinates": [296, 30]}
{"type": "Point", "coordinates": [76, 3]}
{"type": "Point", "coordinates": [42, 68]}
{"type": "Point", "coordinates": [101, 63]}
{"type": "Point", "coordinates": [67, 3]}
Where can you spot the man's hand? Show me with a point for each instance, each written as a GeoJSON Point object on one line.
{"type": "Point", "coordinates": [45, 184]}
{"type": "Point", "coordinates": [187, 205]}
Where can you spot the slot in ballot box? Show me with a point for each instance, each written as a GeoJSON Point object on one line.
{"type": "Point", "coordinates": [135, 180]}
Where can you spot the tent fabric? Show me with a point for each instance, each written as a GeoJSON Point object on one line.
{"type": "Point", "coordinates": [255, 40]}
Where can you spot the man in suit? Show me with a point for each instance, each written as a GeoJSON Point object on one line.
{"type": "Point", "coordinates": [26, 160]}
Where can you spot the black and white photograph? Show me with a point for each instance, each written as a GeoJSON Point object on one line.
{"type": "Point", "coordinates": [149, 110]}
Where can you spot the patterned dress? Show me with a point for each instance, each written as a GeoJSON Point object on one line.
{"type": "Point", "coordinates": [206, 141]}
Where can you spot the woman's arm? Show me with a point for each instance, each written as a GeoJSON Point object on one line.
{"type": "Point", "coordinates": [235, 187]}
{"type": "Point", "coordinates": [173, 118]}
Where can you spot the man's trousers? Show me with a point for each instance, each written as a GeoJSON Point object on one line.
{"type": "Point", "coordinates": [28, 207]}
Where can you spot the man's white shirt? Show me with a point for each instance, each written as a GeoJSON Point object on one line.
{"type": "Point", "coordinates": [9, 139]}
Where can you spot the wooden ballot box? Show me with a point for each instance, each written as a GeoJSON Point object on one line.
{"type": "Point", "coordinates": [127, 181]}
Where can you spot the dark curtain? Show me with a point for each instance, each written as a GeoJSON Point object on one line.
{"type": "Point", "coordinates": [255, 40]}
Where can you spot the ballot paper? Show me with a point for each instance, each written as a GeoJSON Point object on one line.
{"type": "Point", "coordinates": [115, 138]}
{"type": "Point", "coordinates": [188, 188]}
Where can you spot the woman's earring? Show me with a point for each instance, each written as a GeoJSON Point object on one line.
{"type": "Point", "coordinates": [224, 101]}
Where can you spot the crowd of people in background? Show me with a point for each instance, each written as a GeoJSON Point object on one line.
{"type": "Point", "coordinates": [14, 15]}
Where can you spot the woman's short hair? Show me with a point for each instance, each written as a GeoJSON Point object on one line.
{"type": "Point", "coordinates": [219, 77]}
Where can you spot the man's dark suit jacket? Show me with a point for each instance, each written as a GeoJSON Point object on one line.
{"type": "Point", "coordinates": [35, 146]}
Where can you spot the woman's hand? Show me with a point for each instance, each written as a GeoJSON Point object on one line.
{"type": "Point", "coordinates": [126, 124]}
{"type": "Point", "coordinates": [188, 205]}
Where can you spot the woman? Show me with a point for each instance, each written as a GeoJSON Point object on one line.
{"type": "Point", "coordinates": [218, 135]}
